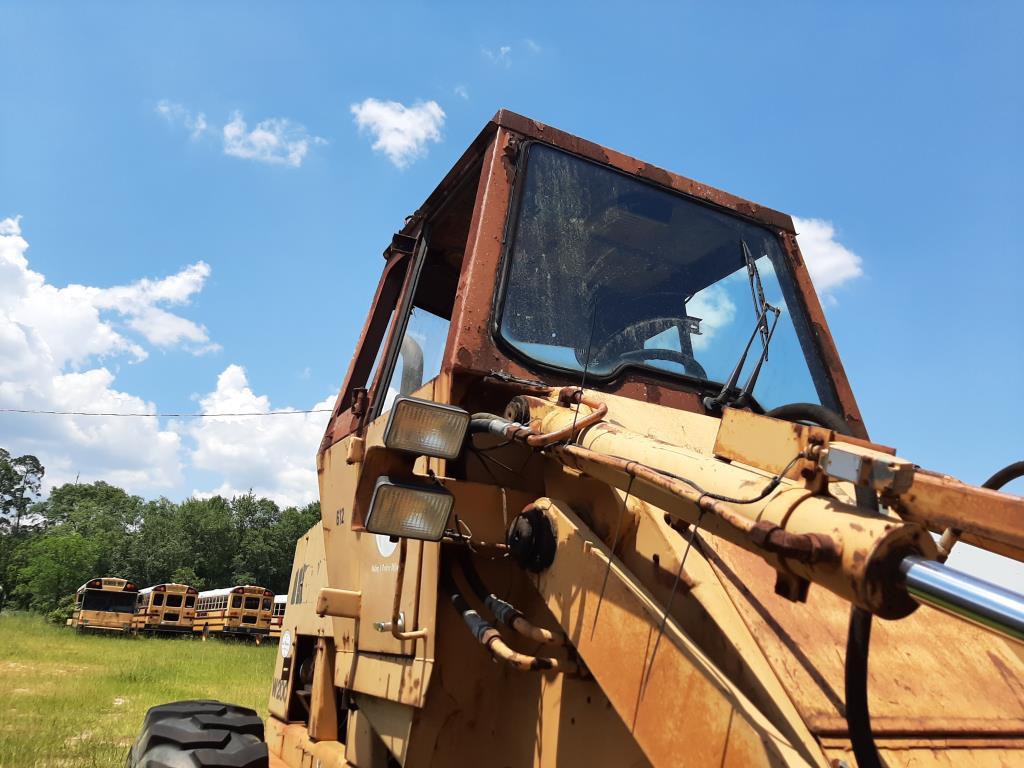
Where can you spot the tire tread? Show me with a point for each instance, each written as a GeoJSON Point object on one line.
{"type": "Point", "coordinates": [200, 733]}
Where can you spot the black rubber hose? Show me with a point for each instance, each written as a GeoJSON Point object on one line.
{"type": "Point", "coordinates": [503, 611]}
{"type": "Point", "coordinates": [487, 422]}
{"type": "Point", "coordinates": [479, 626]}
{"type": "Point", "coordinates": [818, 414]}
{"type": "Point", "coordinates": [858, 637]}
{"type": "Point", "coordinates": [858, 716]}
{"type": "Point", "coordinates": [1005, 475]}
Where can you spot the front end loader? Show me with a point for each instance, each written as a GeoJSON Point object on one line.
{"type": "Point", "coordinates": [596, 492]}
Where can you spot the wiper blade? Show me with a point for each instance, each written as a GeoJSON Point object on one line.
{"type": "Point", "coordinates": [763, 308]}
{"type": "Point", "coordinates": [722, 398]}
{"type": "Point", "coordinates": [756, 289]}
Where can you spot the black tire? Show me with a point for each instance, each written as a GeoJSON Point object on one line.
{"type": "Point", "coordinates": [200, 734]}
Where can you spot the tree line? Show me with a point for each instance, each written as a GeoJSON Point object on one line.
{"type": "Point", "coordinates": [50, 547]}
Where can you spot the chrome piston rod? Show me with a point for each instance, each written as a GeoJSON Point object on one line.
{"type": "Point", "coordinates": [994, 608]}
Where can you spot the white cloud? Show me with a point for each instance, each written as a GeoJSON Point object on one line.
{"type": "Point", "coordinates": [400, 132]}
{"type": "Point", "coordinates": [830, 262]}
{"type": "Point", "coordinates": [50, 340]}
{"type": "Point", "coordinates": [533, 46]}
{"type": "Point", "coordinates": [274, 457]}
{"type": "Point", "coordinates": [174, 112]}
{"type": "Point", "coordinates": [276, 140]}
{"type": "Point", "coordinates": [54, 347]}
{"type": "Point", "coordinates": [502, 56]}
{"type": "Point", "coordinates": [462, 92]}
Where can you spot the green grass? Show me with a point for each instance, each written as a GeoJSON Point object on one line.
{"type": "Point", "coordinates": [78, 700]}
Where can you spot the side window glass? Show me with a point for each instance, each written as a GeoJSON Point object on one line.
{"type": "Point", "coordinates": [158, 599]}
{"type": "Point", "coordinates": [419, 357]}
{"type": "Point", "coordinates": [236, 601]}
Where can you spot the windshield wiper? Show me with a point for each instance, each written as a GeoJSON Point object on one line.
{"type": "Point", "coordinates": [756, 291]}
{"type": "Point", "coordinates": [763, 308]}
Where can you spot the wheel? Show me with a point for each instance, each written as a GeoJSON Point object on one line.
{"type": "Point", "coordinates": [200, 734]}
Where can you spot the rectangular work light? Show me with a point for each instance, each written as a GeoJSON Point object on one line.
{"type": "Point", "coordinates": [408, 511]}
{"type": "Point", "coordinates": [426, 428]}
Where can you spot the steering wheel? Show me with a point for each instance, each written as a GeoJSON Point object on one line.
{"type": "Point", "coordinates": [689, 363]}
{"type": "Point", "coordinates": [645, 329]}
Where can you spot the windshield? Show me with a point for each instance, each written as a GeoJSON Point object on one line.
{"type": "Point", "coordinates": [607, 271]}
{"type": "Point", "coordinates": [106, 600]}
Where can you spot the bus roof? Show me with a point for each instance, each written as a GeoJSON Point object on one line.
{"type": "Point", "coordinates": [147, 590]}
{"type": "Point", "coordinates": [228, 590]}
{"type": "Point", "coordinates": [216, 592]}
{"type": "Point", "coordinates": [280, 598]}
{"type": "Point", "coordinates": [108, 581]}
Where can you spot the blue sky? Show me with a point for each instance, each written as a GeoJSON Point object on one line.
{"type": "Point", "coordinates": [899, 126]}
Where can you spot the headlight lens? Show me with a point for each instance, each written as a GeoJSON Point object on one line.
{"type": "Point", "coordinates": [408, 511]}
{"type": "Point", "coordinates": [426, 428]}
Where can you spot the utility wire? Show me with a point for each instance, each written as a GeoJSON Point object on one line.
{"type": "Point", "coordinates": [159, 415]}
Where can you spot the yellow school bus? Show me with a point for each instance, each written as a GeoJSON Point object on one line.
{"type": "Point", "coordinates": [105, 604]}
{"type": "Point", "coordinates": [165, 608]}
{"type": "Point", "coordinates": [277, 616]}
{"type": "Point", "coordinates": [241, 611]}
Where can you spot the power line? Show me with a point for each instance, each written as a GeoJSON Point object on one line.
{"type": "Point", "coordinates": [159, 415]}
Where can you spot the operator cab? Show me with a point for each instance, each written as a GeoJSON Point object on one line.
{"type": "Point", "coordinates": [542, 258]}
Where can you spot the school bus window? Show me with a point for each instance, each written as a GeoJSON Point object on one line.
{"type": "Point", "coordinates": [174, 601]}
{"type": "Point", "coordinates": [190, 601]}
{"type": "Point", "coordinates": [266, 604]}
{"type": "Point", "coordinates": [158, 599]}
{"type": "Point", "coordinates": [236, 601]}
{"type": "Point", "coordinates": [252, 603]}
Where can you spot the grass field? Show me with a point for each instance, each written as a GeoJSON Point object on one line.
{"type": "Point", "coordinates": [78, 700]}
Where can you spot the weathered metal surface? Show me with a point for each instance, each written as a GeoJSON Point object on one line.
{"type": "Point", "coordinates": [771, 444]}
{"type": "Point", "coordinates": [930, 675]}
{"type": "Point", "coordinates": [308, 578]}
{"type": "Point", "coordinates": [662, 686]}
{"type": "Point", "coordinates": [853, 552]}
{"type": "Point", "coordinates": [940, 754]}
{"type": "Point", "coordinates": [323, 703]}
{"type": "Point", "coordinates": [537, 131]}
{"type": "Point", "coordinates": [990, 519]}
{"type": "Point", "coordinates": [291, 746]}
{"type": "Point", "coordinates": [340, 603]}
{"type": "Point", "coordinates": [823, 337]}
{"type": "Point", "coordinates": [343, 420]}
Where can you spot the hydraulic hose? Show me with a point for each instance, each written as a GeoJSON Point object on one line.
{"type": "Point", "coordinates": [816, 414]}
{"type": "Point", "coordinates": [490, 638]}
{"type": "Point", "coordinates": [498, 425]}
{"type": "Point", "coordinates": [502, 610]}
{"type": "Point", "coordinates": [1005, 475]}
{"type": "Point", "coordinates": [858, 715]}
{"type": "Point", "coordinates": [768, 537]}
{"type": "Point", "coordinates": [858, 637]}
